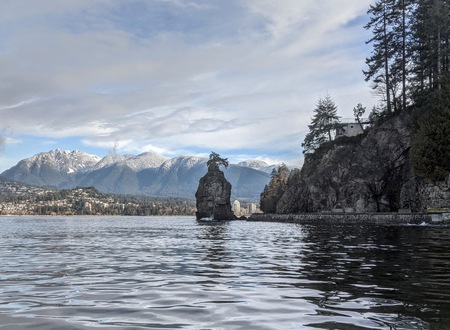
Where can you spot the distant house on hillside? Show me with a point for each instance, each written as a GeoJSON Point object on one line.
{"type": "Point", "coordinates": [350, 128]}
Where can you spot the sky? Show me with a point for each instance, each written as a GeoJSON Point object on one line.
{"type": "Point", "coordinates": [176, 77]}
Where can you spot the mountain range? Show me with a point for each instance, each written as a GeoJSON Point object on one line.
{"type": "Point", "coordinates": [147, 173]}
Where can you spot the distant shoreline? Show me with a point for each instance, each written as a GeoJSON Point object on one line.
{"type": "Point", "coordinates": [356, 218]}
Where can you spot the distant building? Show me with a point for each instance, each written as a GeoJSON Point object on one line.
{"type": "Point", "coordinates": [348, 129]}
{"type": "Point", "coordinates": [251, 208]}
{"type": "Point", "coordinates": [236, 208]}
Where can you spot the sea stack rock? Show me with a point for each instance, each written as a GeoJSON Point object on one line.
{"type": "Point", "coordinates": [214, 192]}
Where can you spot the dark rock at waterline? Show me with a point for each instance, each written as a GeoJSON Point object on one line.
{"type": "Point", "coordinates": [213, 195]}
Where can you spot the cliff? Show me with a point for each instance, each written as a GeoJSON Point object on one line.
{"type": "Point", "coordinates": [366, 173]}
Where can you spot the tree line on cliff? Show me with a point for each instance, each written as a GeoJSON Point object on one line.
{"type": "Point", "coordinates": [409, 69]}
{"type": "Point", "coordinates": [410, 56]}
{"type": "Point", "coordinates": [409, 145]}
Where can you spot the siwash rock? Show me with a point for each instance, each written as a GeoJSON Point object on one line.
{"type": "Point", "coordinates": [213, 195]}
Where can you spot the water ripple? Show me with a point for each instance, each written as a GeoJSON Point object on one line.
{"type": "Point", "coordinates": [173, 273]}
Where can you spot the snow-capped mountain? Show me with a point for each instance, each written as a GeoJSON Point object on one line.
{"type": "Point", "coordinates": [147, 173]}
{"type": "Point", "coordinates": [137, 163]}
{"type": "Point", "coordinates": [52, 168]}
{"type": "Point", "coordinates": [186, 162]}
{"type": "Point", "coordinates": [259, 165]}
{"type": "Point", "coordinates": [145, 160]}
{"type": "Point", "coordinates": [109, 159]}
{"type": "Point", "coordinates": [64, 160]}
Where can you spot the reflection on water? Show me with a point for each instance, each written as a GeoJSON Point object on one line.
{"type": "Point", "coordinates": [160, 273]}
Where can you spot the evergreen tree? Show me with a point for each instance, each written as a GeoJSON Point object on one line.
{"type": "Point", "coordinates": [358, 111]}
{"type": "Point", "coordinates": [375, 114]}
{"type": "Point", "coordinates": [401, 22]}
{"type": "Point", "coordinates": [430, 155]}
{"type": "Point", "coordinates": [215, 160]}
{"type": "Point", "coordinates": [431, 52]}
{"type": "Point", "coordinates": [387, 66]}
{"type": "Point", "coordinates": [322, 124]}
{"type": "Point", "coordinates": [378, 63]}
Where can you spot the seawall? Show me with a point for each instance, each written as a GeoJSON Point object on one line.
{"type": "Point", "coordinates": [357, 218]}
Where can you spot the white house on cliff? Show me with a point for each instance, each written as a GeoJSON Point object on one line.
{"type": "Point", "coordinates": [350, 128]}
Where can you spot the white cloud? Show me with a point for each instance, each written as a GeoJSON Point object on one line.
{"type": "Point", "coordinates": [2, 143]}
{"type": "Point", "coordinates": [235, 75]}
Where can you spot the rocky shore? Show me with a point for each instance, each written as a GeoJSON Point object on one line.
{"type": "Point", "coordinates": [356, 218]}
{"type": "Point", "coordinates": [369, 173]}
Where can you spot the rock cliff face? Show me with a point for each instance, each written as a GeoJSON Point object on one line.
{"type": "Point", "coordinates": [367, 173]}
{"type": "Point", "coordinates": [213, 195]}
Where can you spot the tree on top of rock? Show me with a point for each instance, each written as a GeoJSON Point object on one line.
{"type": "Point", "coordinates": [358, 111]}
{"type": "Point", "coordinates": [215, 161]}
{"type": "Point", "coordinates": [322, 124]}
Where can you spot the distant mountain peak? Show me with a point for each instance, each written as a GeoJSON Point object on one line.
{"type": "Point", "coordinates": [185, 161]}
{"type": "Point", "coordinates": [259, 165]}
{"type": "Point", "coordinates": [253, 163]}
{"type": "Point", "coordinates": [142, 161]}
{"type": "Point", "coordinates": [64, 160]}
{"type": "Point", "coordinates": [147, 173]}
{"type": "Point", "coordinates": [145, 160]}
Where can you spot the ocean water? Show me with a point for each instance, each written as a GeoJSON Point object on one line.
{"type": "Point", "coordinates": [176, 273]}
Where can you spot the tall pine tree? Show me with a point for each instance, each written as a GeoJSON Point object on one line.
{"type": "Point", "coordinates": [430, 154]}
{"type": "Point", "coordinates": [378, 64]}
{"type": "Point", "coordinates": [402, 44]}
{"type": "Point", "coordinates": [431, 52]}
{"type": "Point", "coordinates": [322, 124]}
{"type": "Point", "coordinates": [388, 64]}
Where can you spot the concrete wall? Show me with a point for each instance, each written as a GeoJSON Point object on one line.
{"type": "Point", "coordinates": [359, 218]}
{"type": "Point", "coordinates": [438, 194]}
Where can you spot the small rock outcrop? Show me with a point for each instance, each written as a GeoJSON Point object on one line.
{"type": "Point", "coordinates": [214, 192]}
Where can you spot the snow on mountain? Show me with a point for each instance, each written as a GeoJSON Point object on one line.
{"type": "Point", "coordinates": [187, 162]}
{"type": "Point", "coordinates": [137, 163]}
{"type": "Point", "coordinates": [147, 173]}
{"type": "Point", "coordinates": [144, 161]}
{"type": "Point", "coordinates": [53, 168]}
{"type": "Point", "coordinates": [109, 159]}
{"type": "Point", "coordinates": [65, 161]}
{"type": "Point", "coordinates": [258, 165]}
